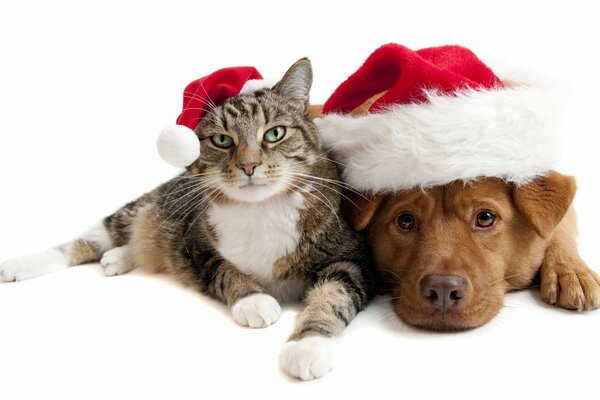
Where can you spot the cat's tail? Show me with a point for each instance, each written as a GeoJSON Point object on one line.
{"type": "Point", "coordinates": [89, 247]}
{"type": "Point", "coordinates": [107, 242]}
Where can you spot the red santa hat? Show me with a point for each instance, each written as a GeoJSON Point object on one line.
{"type": "Point", "coordinates": [178, 144]}
{"type": "Point", "coordinates": [443, 116]}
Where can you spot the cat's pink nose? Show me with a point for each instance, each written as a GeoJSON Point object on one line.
{"type": "Point", "coordinates": [248, 168]}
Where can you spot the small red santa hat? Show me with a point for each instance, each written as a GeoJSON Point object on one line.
{"type": "Point", "coordinates": [443, 116]}
{"type": "Point", "coordinates": [178, 144]}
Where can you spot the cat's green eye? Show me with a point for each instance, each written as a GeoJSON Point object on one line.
{"type": "Point", "coordinates": [275, 134]}
{"type": "Point", "coordinates": [222, 141]}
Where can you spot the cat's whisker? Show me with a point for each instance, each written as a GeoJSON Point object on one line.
{"type": "Point", "coordinates": [192, 206]}
{"type": "Point", "coordinates": [330, 206]}
{"type": "Point", "coordinates": [304, 190]}
{"type": "Point", "coordinates": [308, 182]}
{"type": "Point", "coordinates": [186, 203]}
{"type": "Point", "coordinates": [194, 96]}
{"type": "Point", "coordinates": [210, 101]}
{"type": "Point", "coordinates": [188, 185]}
{"type": "Point", "coordinates": [215, 196]}
{"type": "Point", "coordinates": [170, 198]}
{"type": "Point", "coordinates": [192, 191]}
{"type": "Point", "coordinates": [205, 100]}
{"type": "Point", "coordinates": [305, 180]}
{"type": "Point", "coordinates": [297, 180]}
{"type": "Point", "coordinates": [182, 183]}
{"type": "Point", "coordinates": [339, 192]}
{"type": "Point", "coordinates": [195, 206]}
{"type": "Point", "coordinates": [308, 163]}
{"type": "Point", "coordinates": [199, 180]}
{"type": "Point", "coordinates": [332, 148]}
{"type": "Point", "coordinates": [334, 181]}
{"type": "Point", "coordinates": [341, 184]}
{"type": "Point", "coordinates": [393, 273]}
{"type": "Point", "coordinates": [173, 213]}
{"type": "Point", "coordinates": [323, 157]}
{"type": "Point", "coordinates": [202, 174]}
{"type": "Point", "coordinates": [197, 109]}
{"type": "Point", "coordinates": [191, 187]}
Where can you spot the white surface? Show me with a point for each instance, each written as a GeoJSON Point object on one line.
{"type": "Point", "coordinates": [72, 72]}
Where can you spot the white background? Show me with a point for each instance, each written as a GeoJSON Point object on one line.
{"type": "Point", "coordinates": [84, 89]}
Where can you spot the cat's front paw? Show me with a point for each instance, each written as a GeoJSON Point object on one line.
{"type": "Point", "coordinates": [256, 311]}
{"type": "Point", "coordinates": [21, 268]}
{"type": "Point", "coordinates": [573, 287]}
{"type": "Point", "coordinates": [308, 358]}
{"type": "Point", "coordinates": [117, 261]}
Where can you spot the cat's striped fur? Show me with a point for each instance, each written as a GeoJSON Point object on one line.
{"type": "Point", "coordinates": [281, 236]}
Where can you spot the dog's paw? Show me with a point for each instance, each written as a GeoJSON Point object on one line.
{"type": "Point", "coordinates": [256, 311]}
{"type": "Point", "coordinates": [308, 358]}
{"type": "Point", "coordinates": [21, 268]}
{"type": "Point", "coordinates": [574, 288]}
{"type": "Point", "coordinates": [117, 261]}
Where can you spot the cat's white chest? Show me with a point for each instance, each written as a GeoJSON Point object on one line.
{"type": "Point", "coordinates": [253, 236]}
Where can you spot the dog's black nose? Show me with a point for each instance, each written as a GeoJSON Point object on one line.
{"type": "Point", "coordinates": [443, 291]}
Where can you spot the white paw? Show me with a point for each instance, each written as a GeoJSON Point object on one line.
{"type": "Point", "coordinates": [20, 268]}
{"type": "Point", "coordinates": [117, 261]}
{"type": "Point", "coordinates": [256, 311]}
{"type": "Point", "coordinates": [308, 358]}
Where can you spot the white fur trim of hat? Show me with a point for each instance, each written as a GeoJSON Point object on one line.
{"type": "Point", "coordinates": [507, 132]}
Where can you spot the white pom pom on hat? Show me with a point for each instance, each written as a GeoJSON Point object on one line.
{"type": "Point", "coordinates": [253, 85]}
{"type": "Point", "coordinates": [178, 144]}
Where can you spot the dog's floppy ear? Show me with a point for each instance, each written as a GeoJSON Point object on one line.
{"type": "Point", "coordinates": [545, 201]}
{"type": "Point", "coordinates": [358, 209]}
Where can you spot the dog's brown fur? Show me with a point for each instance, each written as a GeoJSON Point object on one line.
{"type": "Point", "coordinates": [535, 231]}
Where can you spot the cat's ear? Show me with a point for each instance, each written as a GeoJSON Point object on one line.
{"type": "Point", "coordinates": [296, 82]}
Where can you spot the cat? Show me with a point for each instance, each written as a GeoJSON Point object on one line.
{"type": "Point", "coordinates": [253, 221]}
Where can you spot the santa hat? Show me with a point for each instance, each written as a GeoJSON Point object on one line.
{"type": "Point", "coordinates": [178, 144]}
{"type": "Point", "coordinates": [442, 116]}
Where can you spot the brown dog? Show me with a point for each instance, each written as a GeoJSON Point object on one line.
{"type": "Point", "coordinates": [451, 252]}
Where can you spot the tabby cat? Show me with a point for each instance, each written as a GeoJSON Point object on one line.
{"type": "Point", "coordinates": [255, 220]}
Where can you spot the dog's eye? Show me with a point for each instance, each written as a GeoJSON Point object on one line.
{"type": "Point", "coordinates": [406, 221]}
{"type": "Point", "coordinates": [485, 219]}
